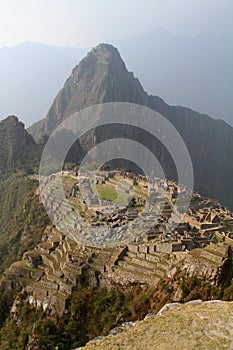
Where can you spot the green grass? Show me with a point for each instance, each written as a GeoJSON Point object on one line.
{"type": "Point", "coordinates": [23, 265]}
{"type": "Point", "coordinates": [77, 206]}
{"type": "Point", "coordinates": [33, 177]}
{"type": "Point", "coordinates": [140, 208]}
{"type": "Point", "coordinates": [68, 182]}
{"type": "Point", "coordinates": [105, 192]}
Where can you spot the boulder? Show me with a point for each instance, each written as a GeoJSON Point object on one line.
{"type": "Point", "coordinates": [168, 307]}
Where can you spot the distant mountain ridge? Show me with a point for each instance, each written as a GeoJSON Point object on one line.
{"type": "Point", "coordinates": [102, 77]}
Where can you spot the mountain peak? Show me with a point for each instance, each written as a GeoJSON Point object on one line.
{"type": "Point", "coordinates": [105, 48]}
{"type": "Point", "coordinates": [15, 145]}
{"type": "Point", "coordinates": [100, 77]}
{"type": "Point", "coordinates": [98, 63]}
{"type": "Point", "coordinates": [105, 52]}
{"type": "Point", "coordinates": [11, 119]}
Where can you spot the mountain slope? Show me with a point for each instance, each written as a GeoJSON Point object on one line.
{"type": "Point", "coordinates": [102, 77]}
{"type": "Point", "coordinates": [22, 217]}
{"type": "Point", "coordinates": [210, 144]}
{"type": "Point", "coordinates": [18, 149]}
{"type": "Point", "coordinates": [186, 70]}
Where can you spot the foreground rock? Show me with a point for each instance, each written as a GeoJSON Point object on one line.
{"type": "Point", "coordinates": [190, 326]}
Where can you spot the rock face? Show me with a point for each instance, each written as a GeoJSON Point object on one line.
{"type": "Point", "coordinates": [102, 77]}
{"type": "Point", "coordinates": [17, 147]}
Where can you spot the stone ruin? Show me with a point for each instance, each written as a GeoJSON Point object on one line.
{"type": "Point", "coordinates": [50, 272]}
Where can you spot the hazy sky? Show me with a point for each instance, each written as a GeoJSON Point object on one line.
{"type": "Point", "coordinates": [85, 23]}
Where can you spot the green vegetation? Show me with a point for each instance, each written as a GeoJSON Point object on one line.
{"type": "Point", "coordinates": [228, 292]}
{"type": "Point", "coordinates": [225, 224]}
{"type": "Point", "coordinates": [105, 192]}
{"type": "Point", "coordinates": [108, 192]}
{"type": "Point", "coordinates": [22, 218]}
{"type": "Point", "coordinates": [6, 301]}
{"type": "Point", "coordinates": [92, 311]}
{"type": "Point", "coordinates": [195, 288]}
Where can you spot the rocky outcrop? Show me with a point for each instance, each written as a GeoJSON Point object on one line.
{"type": "Point", "coordinates": [17, 148]}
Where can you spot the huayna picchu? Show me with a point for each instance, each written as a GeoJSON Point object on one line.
{"type": "Point", "coordinates": [102, 77]}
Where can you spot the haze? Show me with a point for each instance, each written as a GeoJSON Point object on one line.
{"type": "Point", "coordinates": [85, 23]}
{"type": "Point", "coordinates": [198, 33]}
